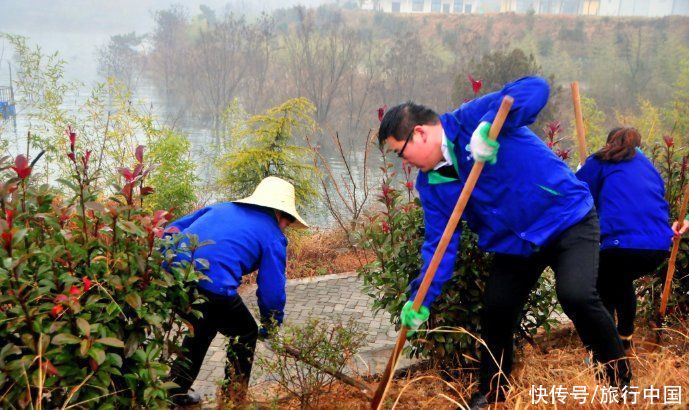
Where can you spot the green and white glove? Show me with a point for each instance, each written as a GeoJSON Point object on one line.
{"type": "Point", "coordinates": [481, 147]}
{"type": "Point", "coordinates": [411, 319]}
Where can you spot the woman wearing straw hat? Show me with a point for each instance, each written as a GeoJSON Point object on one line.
{"type": "Point", "coordinates": [247, 235]}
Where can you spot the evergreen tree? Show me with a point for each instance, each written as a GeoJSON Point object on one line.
{"type": "Point", "coordinates": [265, 145]}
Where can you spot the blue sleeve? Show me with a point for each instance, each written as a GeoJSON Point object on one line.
{"type": "Point", "coordinates": [271, 281]}
{"type": "Point", "coordinates": [185, 221]}
{"type": "Point", "coordinates": [435, 221]}
{"type": "Point", "coordinates": [591, 173]}
{"type": "Point", "coordinates": [530, 96]}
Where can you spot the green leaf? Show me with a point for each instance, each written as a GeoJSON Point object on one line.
{"type": "Point", "coordinates": [55, 326]}
{"type": "Point", "coordinates": [97, 354]}
{"type": "Point", "coordinates": [110, 341]}
{"type": "Point", "coordinates": [84, 326]}
{"type": "Point", "coordinates": [65, 339]}
{"type": "Point", "coordinates": [19, 236]}
{"type": "Point", "coordinates": [169, 385]}
{"type": "Point", "coordinates": [111, 308]}
{"type": "Point", "coordinates": [130, 227]}
{"type": "Point", "coordinates": [134, 300]}
{"type": "Point", "coordinates": [115, 359]}
{"type": "Point", "coordinates": [84, 348]}
{"type": "Point", "coordinates": [131, 345]}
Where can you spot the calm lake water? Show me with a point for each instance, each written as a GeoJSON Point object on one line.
{"type": "Point", "coordinates": [79, 50]}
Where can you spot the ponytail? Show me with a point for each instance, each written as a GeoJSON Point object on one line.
{"type": "Point", "coordinates": [620, 146]}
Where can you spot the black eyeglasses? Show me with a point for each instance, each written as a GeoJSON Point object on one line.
{"type": "Point", "coordinates": [406, 141]}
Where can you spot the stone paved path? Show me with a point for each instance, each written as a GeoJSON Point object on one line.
{"type": "Point", "coordinates": [327, 297]}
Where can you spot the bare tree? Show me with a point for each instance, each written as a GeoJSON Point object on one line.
{"type": "Point", "coordinates": [319, 58]}
{"type": "Point", "coordinates": [359, 98]}
{"type": "Point", "coordinates": [219, 60]}
{"type": "Point", "coordinates": [259, 60]}
{"type": "Point", "coordinates": [121, 59]}
{"type": "Point", "coordinates": [408, 67]}
{"type": "Point", "coordinates": [170, 42]}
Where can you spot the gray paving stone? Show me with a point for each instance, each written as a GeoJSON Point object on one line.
{"type": "Point", "coordinates": [330, 298]}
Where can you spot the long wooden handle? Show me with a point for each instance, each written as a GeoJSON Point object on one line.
{"type": "Point", "coordinates": [469, 185]}
{"type": "Point", "coordinates": [673, 255]}
{"type": "Point", "coordinates": [579, 120]}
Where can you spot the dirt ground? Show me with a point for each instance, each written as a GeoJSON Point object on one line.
{"type": "Point", "coordinates": [553, 372]}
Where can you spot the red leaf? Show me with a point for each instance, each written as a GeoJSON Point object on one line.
{"type": "Point", "coordinates": [552, 129]}
{"type": "Point", "coordinates": [381, 111]}
{"type": "Point", "coordinates": [386, 190]}
{"type": "Point", "coordinates": [72, 136]}
{"type": "Point", "coordinates": [74, 290]}
{"type": "Point", "coordinates": [147, 190]}
{"type": "Point", "coordinates": [127, 190]}
{"type": "Point", "coordinates": [61, 298]}
{"type": "Point", "coordinates": [50, 369]}
{"type": "Point", "coordinates": [56, 310]}
{"type": "Point", "coordinates": [126, 173]}
{"type": "Point", "coordinates": [72, 157]}
{"type": "Point", "coordinates": [386, 227]}
{"type": "Point", "coordinates": [21, 166]}
{"type": "Point", "coordinates": [158, 232]}
{"type": "Point", "coordinates": [159, 216]}
{"type": "Point", "coordinates": [137, 170]}
{"type": "Point", "coordinates": [85, 158]}
{"type": "Point", "coordinates": [139, 154]}
{"type": "Point", "coordinates": [172, 229]}
{"type": "Point", "coordinates": [669, 141]}
{"type": "Point", "coordinates": [9, 215]}
{"type": "Point", "coordinates": [87, 283]}
{"type": "Point", "coordinates": [475, 84]}
{"type": "Point", "coordinates": [563, 153]}
{"type": "Point", "coordinates": [7, 239]}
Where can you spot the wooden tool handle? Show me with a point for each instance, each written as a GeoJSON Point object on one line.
{"type": "Point", "coordinates": [461, 204]}
{"type": "Point", "coordinates": [579, 120]}
{"type": "Point", "coordinates": [469, 185]}
{"type": "Point", "coordinates": [673, 255]}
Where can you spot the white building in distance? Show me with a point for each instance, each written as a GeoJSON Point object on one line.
{"type": "Point", "coordinates": [644, 8]}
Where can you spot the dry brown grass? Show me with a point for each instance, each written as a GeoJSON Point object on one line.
{"type": "Point", "coordinates": [321, 252]}
{"type": "Point", "coordinates": [655, 363]}
{"type": "Point", "coordinates": [317, 252]}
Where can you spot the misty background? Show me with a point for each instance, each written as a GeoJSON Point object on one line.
{"type": "Point", "coordinates": [201, 67]}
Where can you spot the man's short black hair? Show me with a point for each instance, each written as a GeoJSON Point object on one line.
{"type": "Point", "coordinates": [400, 120]}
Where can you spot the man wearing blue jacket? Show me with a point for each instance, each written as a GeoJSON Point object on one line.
{"type": "Point", "coordinates": [247, 235]}
{"type": "Point", "coordinates": [528, 208]}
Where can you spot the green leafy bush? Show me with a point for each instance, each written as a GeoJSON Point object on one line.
{"type": "Point", "coordinates": [173, 177]}
{"type": "Point", "coordinates": [305, 357]}
{"type": "Point", "coordinates": [88, 317]}
{"type": "Point", "coordinates": [395, 235]}
{"type": "Point", "coordinates": [673, 163]}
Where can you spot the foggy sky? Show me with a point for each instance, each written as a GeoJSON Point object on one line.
{"type": "Point", "coordinates": [76, 29]}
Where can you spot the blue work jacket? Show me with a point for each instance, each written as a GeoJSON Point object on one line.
{"type": "Point", "coordinates": [246, 238]}
{"type": "Point", "coordinates": [630, 199]}
{"type": "Point", "coordinates": [527, 198]}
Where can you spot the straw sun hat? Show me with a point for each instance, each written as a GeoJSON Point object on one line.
{"type": "Point", "coordinates": [276, 193]}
